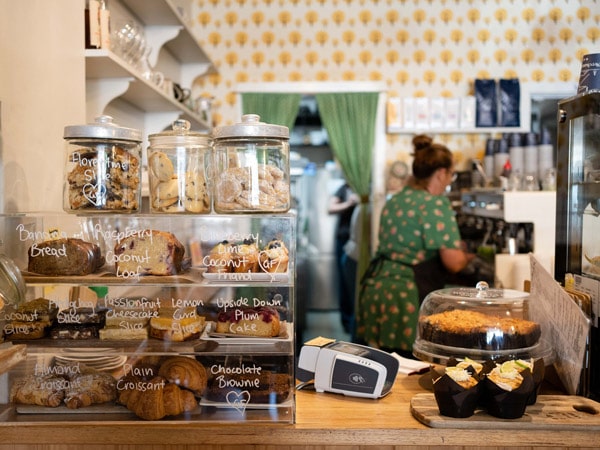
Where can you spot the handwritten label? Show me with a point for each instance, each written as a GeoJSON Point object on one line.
{"type": "Point", "coordinates": [140, 379]}
{"type": "Point", "coordinates": [74, 315]}
{"type": "Point", "coordinates": [245, 302]}
{"type": "Point", "coordinates": [229, 377]}
{"type": "Point", "coordinates": [94, 188]}
{"type": "Point", "coordinates": [130, 313]}
{"type": "Point", "coordinates": [210, 234]}
{"type": "Point", "coordinates": [238, 400]}
{"type": "Point", "coordinates": [28, 235]}
{"type": "Point", "coordinates": [240, 379]}
{"type": "Point", "coordinates": [58, 377]}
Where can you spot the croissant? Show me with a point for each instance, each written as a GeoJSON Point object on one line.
{"type": "Point", "coordinates": [163, 399]}
{"type": "Point", "coordinates": [184, 372]}
{"type": "Point", "coordinates": [88, 389]}
{"type": "Point", "coordinates": [46, 390]}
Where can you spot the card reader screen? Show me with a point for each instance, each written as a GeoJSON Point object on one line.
{"type": "Point", "coordinates": [345, 347]}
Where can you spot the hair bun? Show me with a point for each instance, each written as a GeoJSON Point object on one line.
{"type": "Point", "coordinates": [421, 141]}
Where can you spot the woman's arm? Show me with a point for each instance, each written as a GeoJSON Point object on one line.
{"type": "Point", "coordinates": [455, 259]}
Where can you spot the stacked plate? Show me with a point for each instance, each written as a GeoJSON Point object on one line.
{"type": "Point", "coordinates": [104, 359]}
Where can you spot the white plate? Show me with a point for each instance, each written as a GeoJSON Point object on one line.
{"type": "Point", "coordinates": [286, 332]}
{"type": "Point", "coordinates": [249, 276]}
{"type": "Point", "coordinates": [107, 367]}
{"type": "Point", "coordinates": [85, 359]}
{"type": "Point", "coordinates": [92, 350]}
{"type": "Point", "coordinates": [112, 363]}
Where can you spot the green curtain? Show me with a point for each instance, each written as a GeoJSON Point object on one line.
{"type": "Point", "coordinates": [273, 108]}
{"type": "Point", "coordinates": [349, 119]}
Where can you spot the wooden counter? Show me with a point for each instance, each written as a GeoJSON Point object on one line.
{"type": "Point", "coordinates": [323, 420]}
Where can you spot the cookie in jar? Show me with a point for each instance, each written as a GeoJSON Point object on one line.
{"type": "Point", "coordinates": [252, 167]}
{"type": "Point", "coordinates": [179, 162]}
{"type": "Point", "coordinates": [103, 168]}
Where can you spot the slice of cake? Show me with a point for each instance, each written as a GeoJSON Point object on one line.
{"type": "Point", "coordinates": [149, 252]}
{"type": "Point", "coordinates": [260, 322]}
{"type": "Point", "coordinates": [177, 324]}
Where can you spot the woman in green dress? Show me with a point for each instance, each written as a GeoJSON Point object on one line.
{"type": "Point", "coordinates": [417, 225]}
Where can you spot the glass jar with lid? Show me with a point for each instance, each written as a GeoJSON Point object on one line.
{"type": "Point", "coordinates": [103, 168]}
{"type": "Point", "coordinates": [179, 162]}
{"type": "Point", "coordinates": [252, 167]}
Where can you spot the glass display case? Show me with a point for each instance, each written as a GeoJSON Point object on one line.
{"type": "Point", "coordinates": [480, 323]}
{"type": "Point", "coordinates": [211, 341]}
{"type": "Point", "coordinates": [578, 212]}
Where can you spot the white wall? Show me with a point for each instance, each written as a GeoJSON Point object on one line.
{"type": "Point", "coordinates": [42, 89]}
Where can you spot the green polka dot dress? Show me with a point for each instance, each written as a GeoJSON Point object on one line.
{"type": "Point", "coordinates": [414, 226]}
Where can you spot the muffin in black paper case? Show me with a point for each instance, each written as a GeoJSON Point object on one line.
{"type": "Point", "coordinates": [456, 391]}
{"type": "Point", "coordinates": [507, 391]}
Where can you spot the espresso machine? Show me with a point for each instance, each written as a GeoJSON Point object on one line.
{"type": "Point", "coordinates": [578, 214]}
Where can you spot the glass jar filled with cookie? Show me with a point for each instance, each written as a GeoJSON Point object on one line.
{"type": "Point", "coordinates": [179, 162]}
{"type": "Point", "coordinates": [252, 167]}
{"type": "Point", "coordinates": [103, 168]}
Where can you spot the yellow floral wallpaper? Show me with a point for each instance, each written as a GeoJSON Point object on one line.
{"type": "Point", "coordinates": [430, 48]}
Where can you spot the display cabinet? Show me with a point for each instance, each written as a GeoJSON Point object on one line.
{"type": "Point", "coordinates": [103, 322]}
{"type": "Point", "coordinates": [577, 214]}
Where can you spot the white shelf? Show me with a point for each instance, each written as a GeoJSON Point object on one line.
{"type": "Point", "coordinates": [108, 77]}
{"type": "Point", "coordinates": [163, 13]}
{"type": "Point", "coordinates": [115, 87]}
{"type": "Point", "coordinates": [475, 130]}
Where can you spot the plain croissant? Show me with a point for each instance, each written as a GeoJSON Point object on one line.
{"type": "Point", "coordinates": [185, 372]}
{"type": "Point", "coordinates": [163, 399]}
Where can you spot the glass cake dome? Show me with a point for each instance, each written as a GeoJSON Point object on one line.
{"type": "Point", "coordinates": [480, 323]}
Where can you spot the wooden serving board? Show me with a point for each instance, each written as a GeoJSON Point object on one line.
{"type": "Point", "coordinates": [556, 412]}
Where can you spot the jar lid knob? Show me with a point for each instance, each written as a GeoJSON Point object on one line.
{"type": "Point", "coordinates": [482, 288]}
{"type": "Point", "coordinates": [104, 119]}
{"type": "Point", "coordinates": [181, 125]}
{"type": "Point", "coordinates": [250, 118]}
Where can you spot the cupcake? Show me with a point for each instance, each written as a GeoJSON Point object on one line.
{"type": "Point", "coordinates": [456, 392]}
{"type": "Point", "coordinates": [536, 368]}
{"type": "Point", "coordinates": [220, 258]}
{"type": "Point", "coordinates": [247, 257]}
{"type": "Point", "coordinates": [507, 390]}
{"type": "Point", "coordinates": [274, 257]}
{"type": "Point", "coordinates": [470, 365]}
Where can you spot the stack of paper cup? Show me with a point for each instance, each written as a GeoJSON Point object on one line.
{"type": "Point", "coordinates": [488, 159]}
{"type": "Point", "coordinates": [589, 78]}
{"type": "Point", "coordinates": [516, 152]}
{"type": "Point", "coordinates": [530, 155]}
{"type": "Point", "coordinates": [500, 157]}
{"type": "Point", "coordinates": [545, 159]}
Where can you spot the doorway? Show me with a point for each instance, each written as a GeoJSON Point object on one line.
{"type": "Point", "coordinates": [315, 261]}
{"type": "Point", "coordinates": [378, 192]}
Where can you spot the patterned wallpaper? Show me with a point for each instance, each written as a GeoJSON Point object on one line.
{"type": "Point", "coordinates": [430, 48]}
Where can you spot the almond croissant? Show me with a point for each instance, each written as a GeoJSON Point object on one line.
{"type": "Point", "coordinates": [184, 372]}
{"type": "Point", "coordinates": [88, 389]}
{"type": "Point", "coordinates": [45, 390]}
